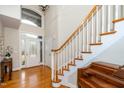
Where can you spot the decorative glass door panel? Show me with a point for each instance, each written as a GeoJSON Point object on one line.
{"type": "Point", "coordinates": [30, 54]}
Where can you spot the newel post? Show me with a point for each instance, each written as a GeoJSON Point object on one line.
{"type": "Point", "coordinates": [54, 76]}
{"type": "Point", "coordinates": [52, 66]}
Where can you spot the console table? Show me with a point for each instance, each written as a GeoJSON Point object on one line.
{"type": "Point", "coordinates": [6, 67]}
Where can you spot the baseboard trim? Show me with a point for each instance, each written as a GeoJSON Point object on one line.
{"type": "Point", "coordinates": [16, 69]}
{"type": "Point", "coordinates": [19, 68]}
{"type": "Point", "coordinates": [69, 85]}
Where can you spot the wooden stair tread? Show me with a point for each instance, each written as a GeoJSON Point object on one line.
{"type": "Point", "coordinates": [106, 68]}
{"type": "Point", "coordinates": [102, 83]}
{"type": "Point", "coordinates": [118, 20]}
{"type": "Point", "coordinates": [65, 69]}
{"type": "Point", "coordinates": [95, 82]}
{"type": "Point", "coordinates": [102, 68]}
{"type": "Point", "coordinates": [60, 74]}
{"type": "Point", "coordinates": [107, 77]}
{"type": "Point", "coordinates": [103, 64]}
{"type": "Point", "coordinates": [71, 64]}
{"type": "Point", "coordinates": [86, 52]}
{"type": "Point", "coordinates": [88, 82]}
{"type": "Point", "coordinates": [99, 43]}
{"type": "Point", "coordinates": [78, 58]}
{"type": "Point", "coordinates": [107, 33]}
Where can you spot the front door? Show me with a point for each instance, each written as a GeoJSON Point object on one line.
{"type": "Point", "coordinates": [30, 51]}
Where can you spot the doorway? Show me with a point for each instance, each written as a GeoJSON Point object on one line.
{"type": "Point", "coordinates": [31, 50]}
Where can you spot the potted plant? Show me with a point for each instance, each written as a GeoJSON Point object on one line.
{"type": "Point", "coordinates": [8, 52]}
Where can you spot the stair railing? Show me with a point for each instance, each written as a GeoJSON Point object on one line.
{"type": "Point", "coordinates": [97, 23]}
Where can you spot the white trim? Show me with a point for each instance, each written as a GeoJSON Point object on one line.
{"type": "Point", "coordinates": [56, 85]}
{"type": "Point", "coordinates": [39, 63]}
{"type": "Point", "coordinates": [18, 68]}
{"type": "Point", "coordinates": [69, 85]}
{"type": "Point", "coordinates": [34, 65]}
{"type": "Point", "coordinates": [15, 69]}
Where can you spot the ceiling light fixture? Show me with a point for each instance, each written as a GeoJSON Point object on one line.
{"type": "Point", "coordinates": [44, 7]}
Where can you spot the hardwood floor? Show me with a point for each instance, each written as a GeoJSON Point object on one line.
{"type": "Point", "coordinates": [34, 77]}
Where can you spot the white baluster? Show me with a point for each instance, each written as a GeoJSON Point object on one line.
{"type": "Point", "coordinates": [65, 57]}
{"type": "Point", "coordinates": [57, 63]}
{"type": "Point", "coordinates": [76, 44]}
{"type": "Point", "coordinates": [82, 39]}
{"type": "Point", "coordinates": [61, 60]}
{"type": "Point", "coordinates": [53, 65]}
{"type": "Point", "coordinates": [62, 57]}
{"type": "Point", "coordinates": [71, 49]}
{"type": "Point", "coordinates": [58, 60]}
{"type": "Point", "coordinates": [79, 40]}
{"type": "Point", "coordinates": [97, 24]}
{"type": "Point", "coordinates": [92, 32]}
{"type": "Point", "coordinates": [105, 18]}
{"type": "Point", "coordinates": [85, 38]}
{"type": "Point", "coordinates": [68, 53]}
{"type": "Point", "coordinates": [100, 23]}
{"type": "Point", "coordinates": [94, 29]}
{"type": "Point", "coordinates": [75, 47]}
{"type": "Point", "coordinates": [118, 11]}
{"type": "Point", "coordinates": [111, 17]}
{"type": "Point", "coordinates": [88, 35]}
{"type": "Point", "coordinates": [123, 10]}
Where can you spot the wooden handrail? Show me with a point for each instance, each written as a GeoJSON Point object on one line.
{"type": "Point", "coordinates": [77, 30]}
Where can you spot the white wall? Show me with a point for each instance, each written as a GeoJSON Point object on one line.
{"type": "Point", "coordinates": [1, 37]}
{"type": "Point", "coordinates": [51, 32]}
{"type": "Point", "coordinates": [69, 18]}
{"type": "Point", "coordinates": [10, 15]}
{"type": "Point", "coordinates": [25, 28]}
{"type": "Point", "coordinates": [11, 38]}
{"type": "Point", "coordinates": [11, 11]}
{"type": "Point", "coordinates": [114, 54]}
{"type": "Point", "coordinates": [11, 35]}
{"type": "Point", "coordinates": [60, 22]}
{"type": "Point", "coordinates": [1, 27]}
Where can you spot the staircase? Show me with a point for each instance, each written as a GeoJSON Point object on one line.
{"type": "Point", "coordinates": [101, 75]}
{"type": "Point", "coordinates": [98, 23]}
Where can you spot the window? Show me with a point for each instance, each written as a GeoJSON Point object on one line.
{"type": "Point", "coordinates": [31, 17]}
{"type": "Point", "coordinates": [33, 48]}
